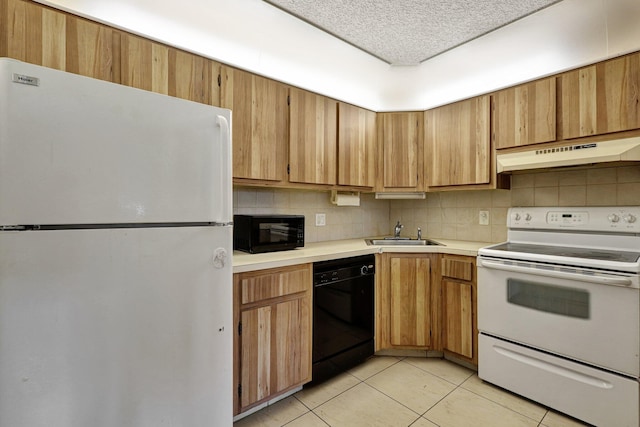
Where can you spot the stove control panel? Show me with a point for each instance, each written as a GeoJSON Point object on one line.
{"type": "Point", "coordinates": [569, 219]}
{"type": "Point", "coordinates": [617, 219]}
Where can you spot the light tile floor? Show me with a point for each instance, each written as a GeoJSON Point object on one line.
{"type": "Point", "coordinates": [396, 391]}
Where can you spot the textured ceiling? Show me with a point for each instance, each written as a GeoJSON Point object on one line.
{"type": "Point", "coordinates": [408, 32]}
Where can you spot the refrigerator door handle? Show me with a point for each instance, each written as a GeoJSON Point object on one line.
{"type": "Point", "coordinates": [225, 170]}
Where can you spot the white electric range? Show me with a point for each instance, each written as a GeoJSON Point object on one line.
{"type": "Point", "coordinates": [559, 311]}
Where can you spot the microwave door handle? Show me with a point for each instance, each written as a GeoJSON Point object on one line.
{"type": "Point", "coordinates": [617, 281]}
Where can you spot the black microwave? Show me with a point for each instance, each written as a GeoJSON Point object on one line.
{"type": "Point", "coordinates": [267, 233]}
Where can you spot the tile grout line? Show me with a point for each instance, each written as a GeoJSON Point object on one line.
{"type": "Point", "coordinates": [310, 411]}
{"type": "Point", "coordinates": [443, 397]}
{"type": "Point", "coordinates": [397, 401]}
{"type": "Point", "coordinates": [339, 394]}
{"type": "Point", "coordinates": [423, 370]}
{"type": "Point", "coordinates": [505, 407]}
{"type": "Point", "coordinates": [442, 378]}
{"type": "Point", "coordinates": [360, 381]}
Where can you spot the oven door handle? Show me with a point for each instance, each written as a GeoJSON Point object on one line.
{"type": "Point", "coordinates": [616, 281]}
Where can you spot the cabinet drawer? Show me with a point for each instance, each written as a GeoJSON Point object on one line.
{"type": "Point", "coordinates": [261, 285]}
{"type": "Point", "coordinates": [458, 268]}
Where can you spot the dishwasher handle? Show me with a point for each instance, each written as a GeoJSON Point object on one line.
{"type": "Point", "coordinates": [601, 279]}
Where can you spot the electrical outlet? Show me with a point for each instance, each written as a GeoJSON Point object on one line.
{"type": "Point", "coordinates": [483, 218]}
{"type": "Point", "coordinates": [321, 220]}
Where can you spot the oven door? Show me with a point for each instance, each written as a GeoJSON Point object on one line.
{"type": "Point", "coordinates": [585, 315]}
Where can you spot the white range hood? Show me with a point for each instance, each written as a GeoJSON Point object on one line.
{"type": "Point", "coordinates": [620, 150]}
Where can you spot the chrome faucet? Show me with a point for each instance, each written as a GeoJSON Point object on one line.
{"type": "Point", "coordinates": [397, 229]}
{"type": "Point", "coordinates": [419, 233]}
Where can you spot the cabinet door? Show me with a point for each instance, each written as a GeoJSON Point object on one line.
{"type": "Point", "coordinates": [410, 301]}
{"type": "Point", "coordinates": [525, 114]}
{"type": "Point", "coordinates": [401, 138]}
{"type": "Point", "coordinates": [260, 124]}
{"type": "Point", "coordinates": [458, 317]}
{"type": "Point", "coordinates": [291, 352]}
{"type": "Point", "coordinates": [356, 146]}
{"type": "Point", "coordinates": [41, 36]}
{"type": "Point", "coordinates": [312, 138]}
{"type": "Point", "coordinates": [272, 350]}
{"type": "Point", "coordinates": [459, 302]}
{"type": "Point", "coordinates": [32, 33]}
{"type": "Point", "coordinates": [601, 98]}
{"type": "Point", "coordinates": [275, 349]}
{"type": "Point", "coordinates": [155, 67]}
{"type": "Point", "coordinates": [89, 48]}
{"type": "Point", "coordinates": [458, 149]}
{"type": "Point", "coordinates": [255, 358]}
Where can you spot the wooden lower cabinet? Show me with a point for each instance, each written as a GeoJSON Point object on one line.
{"type": "Point", "coordinates": [272, 347]}
{"type": "Point", "coordinates": [459, 312]}
{"type": "Point", "coordinates": [407, 302]}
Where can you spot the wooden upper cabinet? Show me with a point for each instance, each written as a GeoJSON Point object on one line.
{"type": "Point", "coordinates": [260, 124]}
{"type": "Point", "coordinates": [525, 114]}
{"type": "Point", "coordinates": [458, 148]}
{"type": "Point", "coordinates": [312, 138]}
{"type": "Point", "coordinates": [356, 146]}
{"type": "Point", "coordinates": [400, 149]}
{"type": "Point", "coordinates": [191, 77]}
{"type": "Point", "coordinates": [42, 36]}
{"type": "Point", "coordinates": [601, 98]}
{"type": "Point", "coordinates": [89, 49]}
{"type": "Point", "coordinates": [155, 67]}
{"type": "Point", "coordinates": [32, 33]}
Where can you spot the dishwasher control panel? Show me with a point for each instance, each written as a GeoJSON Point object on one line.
{"type": "Point", "coordinates": [343, 269]}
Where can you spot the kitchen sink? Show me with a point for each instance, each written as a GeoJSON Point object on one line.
{"type": "Point", "coordinates": [391, 241]}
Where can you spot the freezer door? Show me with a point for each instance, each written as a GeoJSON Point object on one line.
{"type": "Point", "coordinates": [76, 150]}
{"type": "Point", "coordinates": [116, 328]}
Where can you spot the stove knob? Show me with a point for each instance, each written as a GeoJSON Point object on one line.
{"type": "Point", "coordinates": [527, 217]}
{"type": "Point", "coordinates": [613, 218]}
{"type": "Point", "coordinates": [629, 218]}
{"type": "Point", "coordinates": [517, 217]}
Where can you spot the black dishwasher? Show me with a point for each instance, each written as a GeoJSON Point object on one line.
{"type": "Point", "coordinates": [343, 298]}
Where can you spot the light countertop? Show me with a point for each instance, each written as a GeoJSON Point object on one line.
{"type": "Point", "coordinates": [322, 251]}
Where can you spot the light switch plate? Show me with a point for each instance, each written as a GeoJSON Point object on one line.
{"type": "Point", "coordinates": [483, 218]}
{"type": "Point", "coordinates": [321, 220]}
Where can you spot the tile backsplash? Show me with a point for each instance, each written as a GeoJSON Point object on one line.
{"type": "Point", "coordinates": [451, 214]}
{"type": "Point", "coordinates": [371, 218]}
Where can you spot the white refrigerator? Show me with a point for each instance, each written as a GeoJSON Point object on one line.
{"type": "Point", "coordinates": [115, 255]}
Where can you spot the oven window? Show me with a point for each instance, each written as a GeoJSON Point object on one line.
{"type": "Point", "coordinates": [570, 302]}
